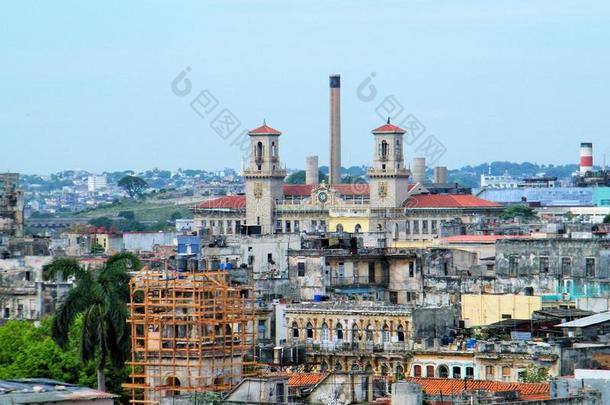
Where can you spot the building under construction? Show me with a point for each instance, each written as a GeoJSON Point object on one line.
{"type": "Point", "coordinates": [191, 332]}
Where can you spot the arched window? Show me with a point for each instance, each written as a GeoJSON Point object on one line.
{"type": "Point", "coordinates": [339, 228]}
{"type": "Point", "coordinates": [385, 335]}
{"type": "Point", "coordinates": [339, 331]}
{"type": "Point", "coordinates": [368, 368]}
{"type": "Point", "coordinates": [400, 333]}
{"type": "Point", "coordinates": [430, 371]}
{"type": "Point", "coordinates": [355, 367]}
{"type": "Point", "coordinates": [295, 330]}
{"type": "Point", "coordinates": [309, 330]}
{"type": "Point", "coordinates": [357, 228]}
{"type": "Point", "coordinates": [417, 370]}
{"type": "Point", "coordinates": [384, 369]}
{"type": "Point", "coordinates": [396, 231]}
{"type": "Point", "coordinates": [369, 333]}
{"type": "Point", "coordinates": [338, 366]}
{"type": "Point", "coordinates": [383, 150]}
{"type": "Point", "coordinates": [259, 151]}
{"type": "Point", "coordinates": [324, 332]}
{"type": "Point", "coordinates": [355, 337]}
{"type": "Point", "coordinates": [172, 382]}
{"type": "Point", "coordinates": [400, 370]}
{"type": "Point", "coordinates": [323, 366]}
{"type": "Point", "coordinates": [443, 371]}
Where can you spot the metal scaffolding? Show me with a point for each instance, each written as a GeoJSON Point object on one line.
{"type": "Point", "coordinates": [190, 332]}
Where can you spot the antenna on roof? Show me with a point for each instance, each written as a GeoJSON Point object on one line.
{"type": "Point", "coordinates": [264, 121]}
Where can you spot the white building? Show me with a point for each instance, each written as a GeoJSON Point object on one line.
{"type": "Point", "coordinates": [503, 181]}
{"type": "Point", "coordinates": [96, 182]}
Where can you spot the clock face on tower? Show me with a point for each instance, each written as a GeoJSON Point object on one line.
{"type": "Point", "coordinates": [322, 197]}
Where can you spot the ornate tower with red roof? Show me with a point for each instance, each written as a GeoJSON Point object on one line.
{"type": "Point", "coordinates": [388, 176]}
{"type": "Point", "coordinates": [263, 178]}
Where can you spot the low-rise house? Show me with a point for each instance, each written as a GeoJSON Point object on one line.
{"type": "Point", "coordinates": [45, 391]}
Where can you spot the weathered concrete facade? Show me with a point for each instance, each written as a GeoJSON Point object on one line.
{"type": "Point", "coordinates": [11, 206]}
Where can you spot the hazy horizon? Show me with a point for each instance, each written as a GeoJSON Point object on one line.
{"type": "Point", "coordinates": [91, 87]}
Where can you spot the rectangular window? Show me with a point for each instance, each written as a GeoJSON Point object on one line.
{"type": "Point", "coordinates": [433, 226]}
{"type": "Point", "coordinates": [261, 327]}
{"type": "Point", "coordinates": [544, 264]}
{"type": "Point", "coordinates": [301, 269]}
{"type": "Point", "coordinates": [288, 227]}
{"type": "Point", "coordinates": [566, 266]}
{"type": "Point", "coordinates": [411, 269]}
{"type": "Point", "coordinates": [371, 272]}
{"type": "Point", "coordinates": [270, 258]}
{"type": "Point", "coordinates": [505, 373]}
{"type": "Point", "coordinates": [513, 265]}
{"type": "Point", "coordinates": [424, 227]}
{"type": "Point", "coordinates": [590, 267]}
{"type": "Point", "coordinates": [393, 297]}
{"type": "Point", "coordinates": [416, 227]}
{"type": "Point", "coordinates": [297, 225]}
{"type": "Point", "coordinates": [407, 227]}
{"type": "Point", "coordinates": [411, 296]}
{"type": "Point", "coordinates": [489, 372]}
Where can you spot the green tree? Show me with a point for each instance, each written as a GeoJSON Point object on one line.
{"type": "Point", "coordinates": [127, 214]}
{"type": "Point", "coordinates": [133, 185]}
{"type": "Point", "coordinates": [535, 374]}
{"type": "Point", "coordinates": [353, 180]}
{"type": "Point", "coordinates": [518, 211]}
{"type": "Point", "coordinates": [100, 297]}
{"type": "Point", "coordinates": [607, 219]}
{"type": "Point", "coordinates": [101, 222]}
{"type": "Point", "coordinates": [298, 177]}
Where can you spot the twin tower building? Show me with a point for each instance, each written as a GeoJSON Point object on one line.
{"type": "Point", "coordinates": [272, 206]}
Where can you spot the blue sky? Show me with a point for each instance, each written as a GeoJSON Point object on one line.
{"type": "Point", "coordinates": [88, 85]}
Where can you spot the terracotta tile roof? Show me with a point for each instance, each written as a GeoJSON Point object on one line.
{"type": "Point", "coordinates": [264, 130]}
{"type": "Point", "coordinates": [448, 201]}
{"type": "Point", "coordinates": [352, 189]}
{"type": "Point", "coordinates": [298, 189]}
{"type": "Point", "coordinates": [300, 380]}
{"type": "Point", "coordinates": [388, 129]}
{"type": "Point", "coordinates": [449, 386]}
{"type": "Point", "coordinates": [228, 201]}
{"type": "Point", "coordinates": [480, 238]}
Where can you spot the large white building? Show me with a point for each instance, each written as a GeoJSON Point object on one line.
{"type": "Point", "coordinates": [96, 182]}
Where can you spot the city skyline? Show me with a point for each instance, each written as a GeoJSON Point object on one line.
{"type": "Point", "coordinates": [102, 100]}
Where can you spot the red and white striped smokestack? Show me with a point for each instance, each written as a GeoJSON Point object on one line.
{"type": "Point", "coordinates": [586, 158]}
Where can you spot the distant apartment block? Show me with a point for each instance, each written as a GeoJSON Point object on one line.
{"type": "Point", "coordinates": [96, 183]}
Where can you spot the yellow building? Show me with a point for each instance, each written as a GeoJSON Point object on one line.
{"type": "Point", "coordinates": [485, 309]}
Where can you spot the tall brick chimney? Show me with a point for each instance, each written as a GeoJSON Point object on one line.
{"type": "Point", "coordinates": [335, 130]}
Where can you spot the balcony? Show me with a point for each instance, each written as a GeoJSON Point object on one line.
{"type": "Point", "coordinates": [359, 281]}
{"type": "Point", "coordinates": [344, 347]}
{"type": "Point", "coordinates": [495, 349]}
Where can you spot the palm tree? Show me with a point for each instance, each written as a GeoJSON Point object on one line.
{"type": "Point", "coordinates": [100, 296]}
